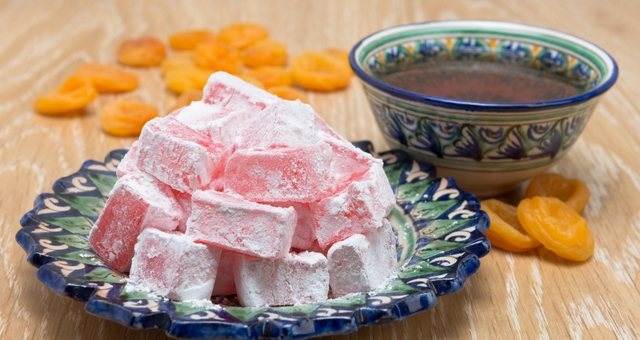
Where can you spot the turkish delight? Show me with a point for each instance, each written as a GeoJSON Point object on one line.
{"type": "Point", "coordinates": [359, 208]}
{"type": "Point", "coordinates": [362, 263]}
{"type": "Point", "coordinates": [295, 174]}
{"type": "Point", "coordinates": [136, 201]}
{"type": "Point", "coordinates": [178, 155]}
{"type": "Point", "coordinates": [172, 265]}
{"type": "Point", "coordinates": [233, 223]}
{"type": "Point", "coordinates": [245, 193]}
{"type": "Point", "coordinates": [296, 279]}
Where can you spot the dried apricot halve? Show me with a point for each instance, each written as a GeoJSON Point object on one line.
{"type": "Point", "coordinates": [320, 71]}
{"type": "Point", "coordinates": [181, 79]}
{"type": "Point", "coordinates": [141, 52]}
{"type": "Point", "coordinates": [251, 80]}
{"type": "Point", "coordinates": [108, 78]}
{"type": "Point", "coordinates": [557, 226]}
{"type": "Point", "coordinates": [341, 55]}
{"type": "Point", "coordinates": [288, 93]}
{"type": "Point", "coordinates": [218, 56]}
{"type": "Point", "coordinates": [72, 96]}
{"type": "Point", "coordinates": [242, 34]}
{"type": "Point", "coordinates": [126, 118]}
{"type": "Point", "coordinates": [270, 75]}
{"type": "Point", "coordinates": [177, 60]}
{"type": "Point", "coordinates": [186, 98]}
{"type": "Point", "coordinates": [505, 231]}
{"type": "Point", "coordinates": [266, 52]}
{"type": "Point", "coordinates": [571, 191]}
{"type": "Point", "coordinates": [189, 39]}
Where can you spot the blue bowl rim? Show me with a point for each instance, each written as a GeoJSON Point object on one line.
{"type": "Point", "coordinates": [465, 105]}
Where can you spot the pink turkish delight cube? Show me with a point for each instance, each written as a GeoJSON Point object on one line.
{"type": "Point", "coordinates": [296, 279]}
{"type": "Point", "coordinates": [136, 201]}
{"type": "Point", "coordinates": [128, 163]}
{"type": "Point", "coordinates": [233, 223]}
{"type": "Point", "coordinates": [304, 236]}
{"type": "Point", "coordinates": [184, 200]}
{"type": "Point", "coordinates": [348, 163]}
{"type": "Point", "coordinates": [235, 94]}
{"type": "Point", "coordinates": [172, 265]}
{"type": "Point", "coordinates": [225, 282]}
{"type": "Point", "coordinates": [282, 124]}
{"type": "Point", "coordinates": [198, 115]}
{"type": "Point", "coordinates": [289, 174]}
{"type": "Point", "coordinates": [357, 209]}
{"type": "Point", "coordinates": [362, 263]}
{"type": "Point", "coordinates": [179, 156]}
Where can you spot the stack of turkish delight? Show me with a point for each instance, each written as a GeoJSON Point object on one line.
{"type": "Point", "coordinates": [245, 193]}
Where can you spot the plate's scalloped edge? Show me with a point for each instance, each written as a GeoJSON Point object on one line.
{"type": "Point", "coordinates": [366, 315]}
{"type": "Point", "coordinates": [61, 285]}
{"type": "Point", "coordinates": [269, 328]}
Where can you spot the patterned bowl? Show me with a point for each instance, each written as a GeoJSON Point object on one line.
{"type": "Point", "coordinates": [489, 144]}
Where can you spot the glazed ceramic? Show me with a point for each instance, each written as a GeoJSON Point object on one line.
{"type": "Point", "coordinates": [440, 239]}
{"type": "Point", "coordinates": [488, 147]}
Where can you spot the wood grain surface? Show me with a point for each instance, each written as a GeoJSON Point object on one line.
{"type": "Point", "coordinates": [528, 296]}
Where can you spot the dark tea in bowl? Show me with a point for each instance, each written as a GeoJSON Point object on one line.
{"type": "Point", "coordinates": [489, 103]}
{"type": "Point", "coordinates": [482, 81]}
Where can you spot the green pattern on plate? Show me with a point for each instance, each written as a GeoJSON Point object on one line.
{"type": "Point", "coordinates": [104, 182]}
{"type": "Point", "coordinates": [84, 204]}
{"type": "Point", "coordinates": [103, 274]}
{"type": "Point", "coordinates": [72, 224]}
{"type": "Point", "coordinates": [245, 314]}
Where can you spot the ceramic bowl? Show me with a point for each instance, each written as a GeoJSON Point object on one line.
{"type": "Point", "coordinates": [488, 146]}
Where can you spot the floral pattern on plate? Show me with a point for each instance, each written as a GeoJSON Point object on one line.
{"type": "Point", "coordinates": [440, 238]}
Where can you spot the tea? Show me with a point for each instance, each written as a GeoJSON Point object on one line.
{"type": "Point", "coordinates": [482, 81]}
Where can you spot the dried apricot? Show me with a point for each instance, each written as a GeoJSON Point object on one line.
{"type": "Point", "coordinates": [557, 226]}
{"type": "Point", "coordinates": [143, 51]}
{"type": "Point", "coordinates": [242, 35]}
{"type": "Point", "coordinates": [505, 231]}
{"type": "Point", "coordinates": [319, 71]}
{"type": "Point", "coordinates": [126, 118]}
{"type": "Point", "coordinates": [265, 53]}
{"type": "Point", "coordinates": [250, 79]}
{"type": "Point", "coordinates": [181, 79]}
{"type": "Point", "coordinates": [188, 40]}
{"type": "Point", "coordinates": [186, 98]}
{"type": "Point", "coordinates": [108, 78]}
{"type": "Point", "coordinates": [72, 96]}
{"type": "Point", "coordinates": [341, 55]}
{"type": "Point", "coordinates": [270, 76]}
{"type": "Point", "coordinates": [571, 191]}
{"type": "Point", "coordinates": [288, 92]}
{"type": "Point", "coordinates": [178, 60]}
{"type": "Point", "coordinates": [218, 56]}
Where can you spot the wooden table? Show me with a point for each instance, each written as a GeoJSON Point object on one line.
{"type": "Point", "coordinates": [532, 295]}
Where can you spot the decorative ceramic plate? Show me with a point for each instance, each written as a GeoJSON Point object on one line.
{"type": "Point", "coordinates": [440, 233]}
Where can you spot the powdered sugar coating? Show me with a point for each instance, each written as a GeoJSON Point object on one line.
{"type": "Point", "coordinates": [234, 94]}
{"type": "Point", "coordinates": [282, 124]}
{"type": "Point", "coordinates": [296, 279]}
{"type": "Point", "coordinates": [362, 263]}
{"type": "Point", "coordinates": [304, 236]}
{"type": "Point", "coordinates": [171, 264]}
{"type": "Point", "coordinates": [358, 209]}
{"type": "Point", "coordinates": [287, 174]}
{"type": "Point", "coordinates": [137, 201]}
{"type": "Point", "coordinates": [233, 223]}
{"type": "Point", "coordinates": [128, 163]}
{"type": "Point", "coordinates": [178, 155]}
